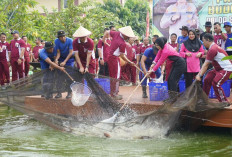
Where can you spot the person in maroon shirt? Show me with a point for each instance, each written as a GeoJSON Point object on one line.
{"type": "Point", "coordinates": [4, 60]}
{"type": "Point", "coordinates": [36, 49]}
{"type": "Point", "coordinates": [27, 55]}
{"type": "Point", "coordinates": [142, 48]}
{"type": "Point", "coordinates": [136, 46]}
{"type": "Point", "coordinates": [219, 37]}
{"type": "Point", "coordinates": [83, 48]}
{"type": "Point", "coordinates": [128, 71]}
{"type": "Point", "coordinates": [117, 48]}
{"type": "Point", "coordinates": [220, 73]}
{"type": "Point", "coordinates": [103, 51]}
{"type": "Point", "coordinates": [17, 47]}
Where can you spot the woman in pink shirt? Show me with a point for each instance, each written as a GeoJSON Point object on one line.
{"type": "Point", "coordinates": [192, 50]}
{"type": "Point", "coordinates": [167, 52]}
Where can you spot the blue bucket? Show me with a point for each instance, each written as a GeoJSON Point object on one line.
{"type": "Point", "coordinates": [158, 91]}
{"type": "Point", "coordinates": [103, 82]}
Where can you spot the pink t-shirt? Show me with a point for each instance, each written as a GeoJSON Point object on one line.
{"type": "Point", "coordinates": [193, 63]}
{"type": "Point", "coordinates": [164, 54]}
{"type": "Point", "coordinates": [118, 44]}
{"type": "Point", "coordinates": [16, 46]}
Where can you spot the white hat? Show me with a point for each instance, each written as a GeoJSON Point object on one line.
{"type": "Point", "coordinates": [81, 32]}
{"type": "Point", "coordinates": [127, 31]}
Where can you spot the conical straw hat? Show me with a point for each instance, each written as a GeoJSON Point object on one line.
{"type": "Point", "coordinates": [81, 32]}
{"type": "Point", "coordinates": [127, 31]}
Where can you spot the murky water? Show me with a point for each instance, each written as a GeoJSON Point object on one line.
{"type": "Point", "coordinates": [22, 136]}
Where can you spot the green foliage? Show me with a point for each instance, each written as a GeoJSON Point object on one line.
{"type": "Point", "coordinates": [228, 58]}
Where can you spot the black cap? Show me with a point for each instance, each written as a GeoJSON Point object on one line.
{"type": "Point", "coordinates": [48, 45]}
{"type": "Point", "coordinates": [208, 24]}
{"type": "Point", "coordinates": [184, 28]}
{"type": "Point", "coordinates": [197, 31]}
{"type": "Point", "coordinates": [15, 32]}
{"type": "Point", "coordinates": [60, 33]}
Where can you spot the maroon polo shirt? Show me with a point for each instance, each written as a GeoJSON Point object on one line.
{"type": "Point", "coordinates": [15, 46]}
{"type": "Point", "coordinates": [36, 50]}
{"type": "Point", "coordinates": [173, 45]}
{"type": "Point", "coordinates": [105, 48]}
{"type": "Point", "coordinates": [143, 48]}
{"type": "Point", "coordinates": [215, 56]}
{"type": "Point", "coordinates": [118, 44]}
{"type": "Point", "coordinates": [5, 47]}
{"type": "Point", "coordinates": [27, 51]}
{"type": "Point", "coordinates": [83, 49]}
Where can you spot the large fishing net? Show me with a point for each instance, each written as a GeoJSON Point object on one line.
{"type": "Point", "coordinates": [138, 118]}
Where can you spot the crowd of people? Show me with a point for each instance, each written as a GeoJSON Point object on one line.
{"type": "Point", "coordinates": [118, 54]}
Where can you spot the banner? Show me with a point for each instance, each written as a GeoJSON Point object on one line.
{"type": "Point", "coordinates": [170, 15]}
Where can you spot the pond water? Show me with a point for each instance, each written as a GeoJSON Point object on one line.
{"type": "Point", "coordinates": [20, 135]}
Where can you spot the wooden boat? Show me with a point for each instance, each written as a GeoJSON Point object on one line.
{"type": "Point", "coordinates": [64, 107]}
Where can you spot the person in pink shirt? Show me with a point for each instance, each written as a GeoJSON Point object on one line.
{"type": "Point", "coordinates": [167, 52]}
{"type": "Point", "coordinates": [17, 47]}
{"type": "Point", "coordinates": [117, 48]}
{"type": "Point", "coordinates": [192, 50]}
{"type": "Point", "coordinates": [4, 60]}
{"type": "Point", "coordinates": [173, 42]}
{"type": "Point", "coordinates": [219, 37]}
{"type": "Point", "coordinates": [27, 55]}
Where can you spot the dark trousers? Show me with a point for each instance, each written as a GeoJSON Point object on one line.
{"type": "Point", "coordinates": [104, 69]}
{"type": "Point", "coordinates": [189, 78]}
{"type": "Point", "coordinates": [178, 68]}
{"type": "Point", "coordinates": [47, 81]}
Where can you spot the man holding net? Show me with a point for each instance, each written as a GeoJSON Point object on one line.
{"type": "Point", "coordinates": [220, 73]}
{"type": "Point", "coordinates": [117, 48]}
{"type": "Point", "coordinates": [64, 50]}
{"type": "Point", "coordinates": [83, 48]}
{"type": "Point", "coordinates": [47, 56]}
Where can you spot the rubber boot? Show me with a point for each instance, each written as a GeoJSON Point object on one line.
{"type": "Point", "coordinates": [69, 95]}
{"type": "Point", "coordinates": [144, 91]}
{"type": "Point", "coordinates": [58, 95]}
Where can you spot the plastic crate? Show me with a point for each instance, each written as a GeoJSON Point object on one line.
{"type": "Point", "coordinates": [225, 87]}
{"type": "Point", "coordinates": [182, 86]}
{"type": "Point", "coordinates": [104, 83]}
{"type": "Point", "coordinates": [158, 91]}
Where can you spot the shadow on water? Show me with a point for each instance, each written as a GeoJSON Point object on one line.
{"type": "Point", "coordinates": [20, 135]}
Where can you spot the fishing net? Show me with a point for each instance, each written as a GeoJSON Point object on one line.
{"type": "Point", "coordinates": [34, 96]}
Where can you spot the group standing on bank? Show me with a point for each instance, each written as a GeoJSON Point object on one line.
{"type": "Point", "coordinates": [118, 54]}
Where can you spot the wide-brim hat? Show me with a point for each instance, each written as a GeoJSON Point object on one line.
{"type": "Point", "coordinates": [208, 24]}
{"type": "Point", "coordinates": [81, 32]}
{"type": "Point", "coordinates": [48, 45]}
{"type": "Point", "coordinates": [127, 31]}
